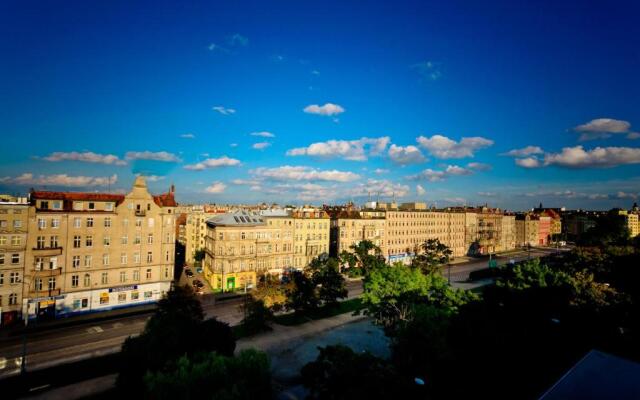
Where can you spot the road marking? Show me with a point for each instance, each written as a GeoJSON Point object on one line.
{"type": "Point", "coordinates": [95, 329]}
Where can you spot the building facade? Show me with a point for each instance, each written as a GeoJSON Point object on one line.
{"type": "Point", "coordinates": [350, 227]}
{"type": "Point", "coordinates": [311, 235]}
{"type": "Point", "coordinates": [91, 252]}
{"type": "Point", "coordinates": [527, 229]}
{"type": "Point", "coordinates": [13, 242]}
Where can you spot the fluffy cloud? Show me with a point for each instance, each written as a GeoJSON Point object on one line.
{"type": "Point", "coordinates": [601, 128]}
{"type": "Point", "coordinates": [406, 155]}
{"type": "Point", "coordinates": [436, 175]}
{"type": "Point", "coordinates": [486, 194]}
{"type": "Point", "coordinates": [154, 178]}
{"type": "Point", "coordinates": [380, 171]}
{"type": "Point", "coordinates": [528, 162]}
{"type": "Point", "coordinates": [633, 135]}
{"type": "Point", "coordinates": [150, 155]}
{"type": "Point", "coordinates": [188, 136]}
{"type": "Point", "coordinates": [59, 180]}
{"type": "Point", "coordinates": [443, 147]}
{"type": "Point", "coordinates": [354, 150]}
{"type": "Point", "coordinates": [223, 161]}
{"type": "Point", "coordinates": [476, 166]}
{"type": "Point", "coordinates": [86, 156]}
{"type": "Point", "coordinates": [524, 152]}
{"type": "Point", "coordinates": [261, 145]}
{"type": "Point", "coordinates": [420, 190]}
{"type": "Point", "coordinates": [263, 134]}
{"type": "Point", "coordinates": [328, 109]}
{"type": "Point", "coordinates": [600, 157]}
{"type": "Point", "coordinates": [216, 187]}
{"type": "Point", "coordinates": [223, 110]}
{"type": "Point", "coordinates": [384, 188]}
{"type": "Point", "coordinates": [286, 173]}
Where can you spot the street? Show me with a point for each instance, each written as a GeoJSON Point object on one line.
{"type": "Point", "coordinates": [86, 340]}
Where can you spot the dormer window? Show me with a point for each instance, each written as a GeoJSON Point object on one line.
{"type": "Point", "coordinates": [92, 206]}
{"type": "Point", "coordinates": [44, 205]}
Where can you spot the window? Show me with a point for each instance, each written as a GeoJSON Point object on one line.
{"type": "Point", "coordinates": [125, 223]}
{"type": "Point", "coordinates": [107, 222]}
{"type": "Point", "coordinates": [124, 239]}
{"type": "Point", "coordinates": [122, 297]}
{"type": "Point", "coordinates": [123, 258]}
{"type": "Point", "coordinates": [57, 205]}
{"type": "Point", "coordinates": [90, 222]}
{"type": "Point", "coordinates": [136, 239]}
{"type": "Point", "coordinates": [149, 257]}
{"type": "Point", "coordinates": [166, 272]}
{"type": "Point", "coordinates": [149, 273]}
{"type": "Point", "coordinates": [76, 241]}
{"type": "Point", "coordinates": [14, 277]}
{"type": "Point", "coordinates": [38, 284]}
{"type": "Point", "coordinates": [1, 279]}
{"type": "Point", "coordinates": [136, 275]}
{"type": "Point", "coordinates": [76, 261]}
{"type": "Point", "coordinates": [17, 224]}
{"type": "Point", "coordinates": [40, 242]}
{"type": "Point", "coordinates": [123, 276]}
{"type": "Point", "coordinates": [89, 241]}
{"type": "Point", "coordinates": [108, 206]}
{"type": "Point", "coordinates": [39, 263]}
{"type": "Point", "coordinates": [3, 240]}
{"type": "Point", "coordinates": [55, 223]}
{"type": "Point", "coordinates": [77, 222]}
{"type": "Point", "coordinates": [75, 280]}
{"type": "Point", "coordinates": [148, 295]}
{"type": "Point", "coordinates": [16, 240]}
{"type": "Point", "coordinates": [150, 238]}
{"type": "Point", "coordinates": [105, 259]}
{"type": "Point", "coordinates": [15, 258]}
{"type": "Point", "coordinates": [136, 257]}
{"type": "Point", "coordinates": [138, 222]}
{"type": "Point", "coordinates": [106, 240]}
{"type": "Point", "coordinates": [42, 223]}
{"type": "Point", "coordinates": [134, 295]}
{"type": "Point", "coordinates": [87, 260]}
{"type": "Point", "coordinates": [92, 206]}
{"type": "Point", "coordinates": [167, 255]}
{"type": "Point", "coordinates": [44, 205]}
{"type": "Point", "coordinates": [13, 299]}
{"type": "Point", "coordinates": [87, 280]}
{"type": "Point", "coordinates": [52, 283]}
{"type": "Point", "coordinates": [77, 205]}
{"type": "Point", "coordinates": [104, 278]}
{"type": "Point", "coordinates": [150, 222]}
{"type": "Point", "coordinates": [53, 241]}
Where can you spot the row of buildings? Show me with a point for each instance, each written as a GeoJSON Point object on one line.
{"type": "Point", "coordinates": [242, 244]}
{"type": "Point", "coordinates": [67, 253]}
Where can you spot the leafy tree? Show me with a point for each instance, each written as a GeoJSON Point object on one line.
{"type": "Point", "coordinates": [301, 293]}
{"type": "Point", "coordinates": [177, 328]}
{"type": "Point", "coordinates": [271, 292]}
{"type": "Point", "coordinates": [364, 256]}
{"type": "Point", "coordinates": [610, 228]}
{"type": "Point", "coordinates": [330, 284]}
{"type": "Point", "coordinates": [257, 316]}
{"type": "Point", "coordinates": [213, 376]}
{"type": "Point", "coordinates": [340, 373]}
{"type": "Point", "coordinates": [199, 255]}
{"type": "Point", "coordinates": [430, 255]}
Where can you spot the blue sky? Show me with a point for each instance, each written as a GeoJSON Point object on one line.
{"type": "Point", "coordinates": [302, 102]}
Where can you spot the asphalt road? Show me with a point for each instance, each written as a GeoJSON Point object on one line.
{"type": "Point", "coordinates": [86, 340]}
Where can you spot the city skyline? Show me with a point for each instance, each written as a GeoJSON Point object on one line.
{"type": "Point", "coordinates": [295, 103]}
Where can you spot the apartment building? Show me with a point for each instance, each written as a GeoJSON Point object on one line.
{"type": "Point", "coordinates": [311, 235]}
{"type": "Point", "coordinates": [92, 251]}
{"type": "Point", "coordinates": [631, 221]}
{"type": "Point", "coordinates": [195, 232]}
{"type": "Point", "coordinates": [241, 245]}
{"type": "Point", "coordinates": [527, 229]}
{"type": "Point", "coordinates": [508, 236]}
{"type": "Point", "coordinates": [544, 230]}
{"type": "Point", "coordinates": [350, 227]}
{"type": "Point", "coordinates": [13, 242]}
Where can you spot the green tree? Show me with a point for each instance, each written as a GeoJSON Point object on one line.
{"type": "Point", "coordinates": [340, 373]}
{"type": "Point", "coordinates": [257, 316]}
{"type": "Point", "coordinates": [177, 328]}
{"type": "Point", "coordinates": [301, 293]}
{"type": "Point", "coordinates": [199, 255]}
{"type": "Point", "coordinates": [212, 376]}
{"type": "Point", "coordinates": [330, 283]}
{"type": "Point", "coordinates": [430, 255]}
{"type": "Point", "coordinates": [610, 228]}
{"type": "Point", "coordinates": [365, 255]}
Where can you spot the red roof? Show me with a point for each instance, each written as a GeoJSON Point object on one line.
{"type": "Point", "coordinates": [165, 200]}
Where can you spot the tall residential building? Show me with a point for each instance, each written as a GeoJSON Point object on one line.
{"type": "Point", "coordinates": [311, 235]}
{"type": "Point", "coordinates": [527, 229]}
{"type": "Point", "coordinates": [508, 237]}
{"type": "Point", "coordinates": [544, 230]}
{"type": "Point", "coordinates": [350, 227]}
{"type": "Point", "coordinates": [241, 245]}
{"type": "Point", "coordinates": [93, 252]}
{"type": "Point", "coordinates": [631, 220]}
{"type": "Point", "coordinates": [13, 242]}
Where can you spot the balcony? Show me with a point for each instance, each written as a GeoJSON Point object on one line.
{"type": "Point", "coordinates": [48, 272]}
{"type": "Point", "coordinates": [47, 251]}
{"type": "Point", "coordinates": [140, 213]}
{"type": "Point", "coordinates": [45, 293]}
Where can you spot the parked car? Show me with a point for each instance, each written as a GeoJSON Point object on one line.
{"type": "Point", "coordinates": [198, 284]}
{"type": "Point", "coordinates": [188, 273]}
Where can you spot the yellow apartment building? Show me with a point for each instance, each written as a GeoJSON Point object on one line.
{"type": "Point", "coordinates": [13, 242]}
{"type": "Point", "coordinates": [311, 235]}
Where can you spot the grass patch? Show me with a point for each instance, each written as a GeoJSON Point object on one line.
{"type": "Point", "coordinates": [343, 307]}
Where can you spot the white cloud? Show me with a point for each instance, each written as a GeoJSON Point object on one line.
{"type": "Point", "coordinates": [633, 135]}
{"type": "Point", "coordinates": [436, 175]}
{"type": "Point", "coordinates": [86, 156]}
{"type": "Point", "coordinates": [223, 161]}
{"type": "Point", "coordinates": [60, 180]}
{"type": "Point", "coordinates": [354, 150]}
{"type": "Point", "coordinates": [600, 157]}
{"type": "Point", "coordinates": [476, 166]}
{"type": "Point", "coordinates": [528, 162]}
{"type": "Point", "coordinates": [601, 128]}
{"type": "Point", "coordinates": [154, 178]}
{"type": "Point", "coordinates": [328, 109]}
{"type": "Point", "coordinates": [524, 152]}
{"type": "Point", "coordinates": [216, 187]}
{"type": "Point", "coordinates": [486, 194]}
{"type": "Point", "coordinates": [380, 171]}
{"type": "Point", "coordinates": [443, 147]}
{"type": "Point", "coordinates": [223, 110]}
{"type": "Point", "coordinates": [234, 145]}
{"type": "Point", "coordinates": [288, 172]}
{"type": "Point", "coordinates": [384, 188]}
{"type": "Point", "coordinates": [263, 134]}
{"type": "Point", "coordinates": [406, 155]}
{"type": "Point", "coordinates": [261, 145]}
{"type": "Point", "coordinates": [420, 190]}
{"type": "Point", "coordinates": [188, 136]}
{"type": "Point", "coordinates": [154, 156]}
{"type": "Point", "coordinates": [250, 182]}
